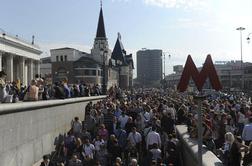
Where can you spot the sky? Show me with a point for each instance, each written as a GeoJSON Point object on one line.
{"type": "Point", "coordinates": [178, 27]}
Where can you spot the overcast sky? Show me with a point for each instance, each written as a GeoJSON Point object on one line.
{"type": "Point", "coordinates": [179, 27]}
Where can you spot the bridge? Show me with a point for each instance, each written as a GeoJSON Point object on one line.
{"type": "Point", "coordinates": [28, 130]}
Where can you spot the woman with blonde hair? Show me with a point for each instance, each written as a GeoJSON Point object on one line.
{"type": "Point", "coordinates": [232, 150]}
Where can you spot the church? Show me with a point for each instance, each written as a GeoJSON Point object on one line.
{"type": "Point", "coordinates": [103, 66]}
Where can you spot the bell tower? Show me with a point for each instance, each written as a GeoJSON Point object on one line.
{"type": "Point", "coordinates": [100, 45]}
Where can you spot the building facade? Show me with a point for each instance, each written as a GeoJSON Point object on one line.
{"type": "Point", "coordinates": [75, 66]}
{"type": "Point", "coordinates": [123, 63]}
{"type": "Point", "coordinates": [149, 66]}
{"type": "Point", "coordinates": [95, 68]}
{"type": "Point", "coordinates": [233, 75]}
{"type": "Point", "coordinates": [19, 59]}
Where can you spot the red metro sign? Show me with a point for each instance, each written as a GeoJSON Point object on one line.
{"type": "Point", "coordinates": [199, 78]}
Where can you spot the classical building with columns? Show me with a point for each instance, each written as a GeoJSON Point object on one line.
{"type": "Point", "coordinates": [18, 58]}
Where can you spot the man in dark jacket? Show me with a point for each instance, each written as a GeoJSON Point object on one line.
{"type": "Point", "coordinates": [167, 123]}
{"type": "Point", "coordinates": [46, 161]}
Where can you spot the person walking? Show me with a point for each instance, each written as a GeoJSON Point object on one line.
{"type": "Point", "coordinates": [152, 138]}
{"type": "Point", "coordinates": [247, 132]}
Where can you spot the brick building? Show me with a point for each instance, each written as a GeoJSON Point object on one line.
{"type": "Point", "coordinates": [77, 66]}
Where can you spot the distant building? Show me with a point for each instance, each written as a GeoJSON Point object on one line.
{"type": "Point", "coordinates": [149, 66]}
{"type": "Point", "coordinates": [46, 69]}
{"type": "Point", "coordinates": [123, 63]}
{"type": "Point", "coordinates": [232, 74]}
{"type": "Point", "coordinates": [45, 66]}
{"type": "Point", "coordinates": [77, 66]}
{"type": "Point", "coordinates": [19, 58]}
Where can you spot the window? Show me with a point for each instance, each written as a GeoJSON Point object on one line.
{"type": "Point", "coordinates": [65, 57]}
{"type": "Point", "coordinates": [61, 58]}
{"type": "Point", "coordinates": [90, 72]}
{"type": "Point", "coordinates": [93, 72]}
{"type": "Point", "coordinates": [86, 72]}
{"type": "Point", "coordinates": [57, 58]}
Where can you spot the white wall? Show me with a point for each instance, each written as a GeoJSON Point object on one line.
{"type": "Point", "coordinates": [25, 136]}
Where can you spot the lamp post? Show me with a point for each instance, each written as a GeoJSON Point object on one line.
{"type": "Point", "coordinates": [169, 56]}
{"type": "Point", "coordinates": [104, 80]}
{"type": "Point", "coordinates": [199, 99]}
{"type": "Point", "coordinates": [248, 38]}
{"type": "Point", "coordinates": [241, 29]}
{"type": "Point", "coordinates": [164, 64]}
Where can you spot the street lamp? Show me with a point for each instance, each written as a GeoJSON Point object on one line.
{"type": "Point", "coordinates": [169, 56]}
{"type": "Point", "coordinates": [104, 80]}
{"type": "Point", "coordinates": [248, 38]}
{"type": "Point", "coordinates": [241, 29]}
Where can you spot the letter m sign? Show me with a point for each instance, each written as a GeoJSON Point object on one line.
{"type": "Point", "coordinates": [199, 78]}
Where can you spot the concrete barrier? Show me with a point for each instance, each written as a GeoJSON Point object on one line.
{"type": "Point", "coordinates": [189, 150]}
{"type": "Point", "coordinates": [28, 129]}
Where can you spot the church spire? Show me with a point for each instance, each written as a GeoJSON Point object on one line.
{"type": "Point", "coordinates": [101, 29]}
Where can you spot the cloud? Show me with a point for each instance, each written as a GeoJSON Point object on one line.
{"type": "Point", "coordinates": [120, 0]}
{"type": "Point", "coordinates": [177, 3]}
{"type": "Point", "coordinates": [196, 4]}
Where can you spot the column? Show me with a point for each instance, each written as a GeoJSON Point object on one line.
{"type": "Point", "coordinates": [37, 69]}
{"type": "Point", "coordinates": [22, 70]}
{"type": "Point", "coordinates": [9, 69]}
{"type": "Point", "coordinates": [30, 70]}
{"type": "Point", "coordinates": [1, 55]}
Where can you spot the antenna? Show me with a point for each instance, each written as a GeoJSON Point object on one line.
{"type": "Point", "coordinates": [119, 35]}
{"type": "Point", "coordinates": [101, 3]}
{"type": "Point", "coordinates": [33, 39]}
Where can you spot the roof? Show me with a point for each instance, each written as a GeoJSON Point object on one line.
{"type": "Point", "coordinates": [100, 33]}
{"type": "Point", "coordinates": [69, 48]}
{"type": "Point", "coordinates": [64, 48]}
{"type": "Point", "coordinates": [119, 52]}
{"type": "Point", "coordinates": [89, 62]}
{"type": "Point", "coordinates": [129, 60]}
{"type": "Point", "coordinates": [45, 60]}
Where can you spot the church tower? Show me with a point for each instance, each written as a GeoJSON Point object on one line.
{"type": "Point", "coordinates": [101, 46]}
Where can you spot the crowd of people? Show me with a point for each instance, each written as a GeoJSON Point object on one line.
{"type": "Point", "coordinates": [139, 129]}
{"type": "Point", "coordinates": [38, 89]}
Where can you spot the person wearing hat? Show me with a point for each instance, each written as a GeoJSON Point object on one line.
{"type": "Point", "coordinates": [3, 92]}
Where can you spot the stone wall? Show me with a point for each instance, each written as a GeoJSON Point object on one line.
{"type": "Point", "coordinates": [28, 129]}
{"type": "Point", "coordinates": [189, 150]}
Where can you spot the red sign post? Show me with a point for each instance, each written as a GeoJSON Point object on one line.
{"type": "Point", "coordinates": [199, 78]}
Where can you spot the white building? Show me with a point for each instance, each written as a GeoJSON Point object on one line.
{"type": "Point", "coordinates": [19, 58]}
